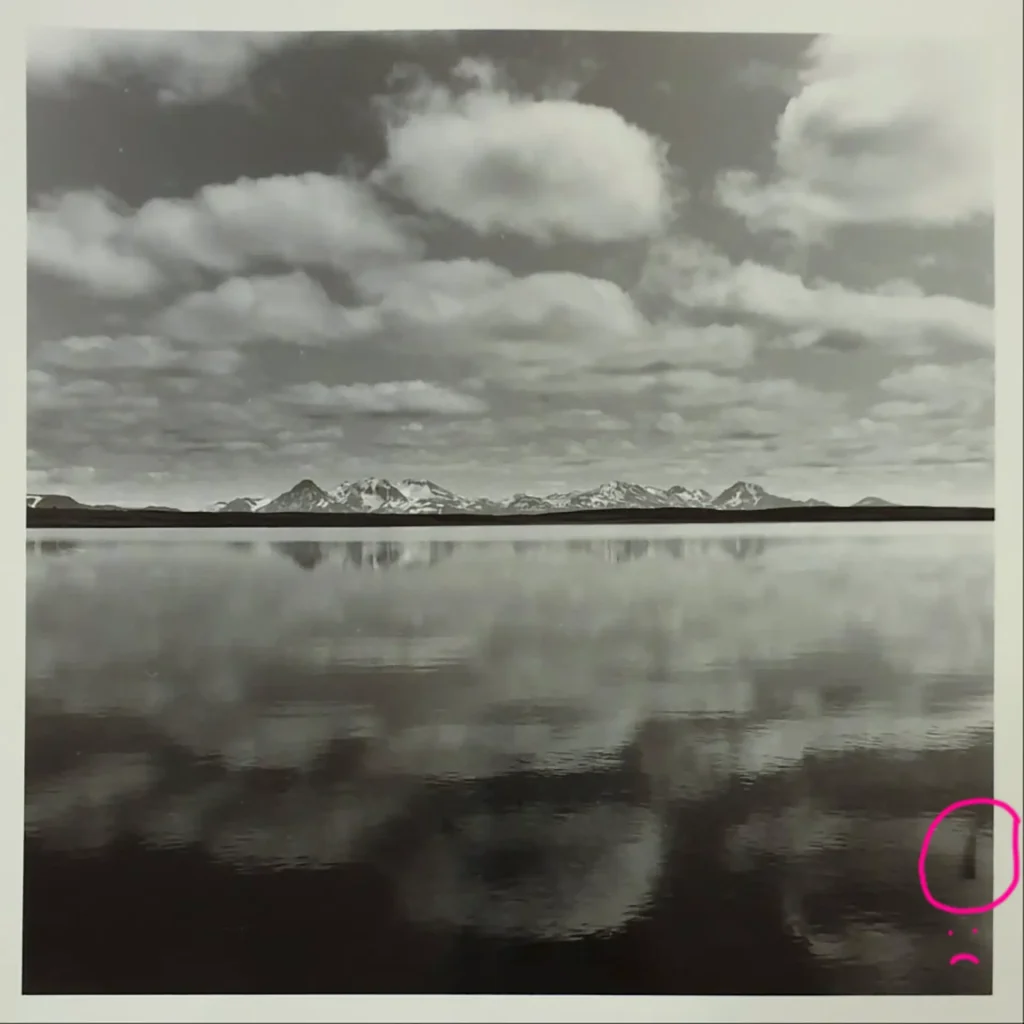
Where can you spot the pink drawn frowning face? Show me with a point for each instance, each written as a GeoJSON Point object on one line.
{"type": "Point", "coordinates": [969, 957]}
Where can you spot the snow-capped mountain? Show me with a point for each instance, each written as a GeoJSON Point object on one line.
{"type": "Point", "coordinates": [305, 496]}
{"type": "Point", "coordinates": [617, 494]}
{"type": "Point", "coordinates": [237, 505]}
{"type": "Point", "coordinates": [51, 501]}
{"type": "Point", "coordinates": [374, 495]}
{"type": "Point", "coordinates": [753, 496]}
{"type": "Point", "coordinates": [698, 498]}
{"type": "Point", "coordinates": [425, 497]}
{"type": "Point", "coordinates": [368, 495]}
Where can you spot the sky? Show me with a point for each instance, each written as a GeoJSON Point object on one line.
{"type": "Point", "coordinates": [509, 261]}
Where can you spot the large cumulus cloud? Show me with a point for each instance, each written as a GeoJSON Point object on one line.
{"type": "Point", "coordinates": [882, 129]}
{"type": "Point", "coordinates": [541, 168]}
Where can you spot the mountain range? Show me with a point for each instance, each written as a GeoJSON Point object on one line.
{"type": "Point", "coordinates": [411, 497]}
{"type": "Point", "coordinates": [63, 501]}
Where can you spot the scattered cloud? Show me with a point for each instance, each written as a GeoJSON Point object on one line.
{"type": "Point", "coordinates": [665, 348]}
{"type": "Point", "coordinates": [98, 355]}
{"type": "Point", "coordinates": [150, 425]}
{"type": "Point", "coordinates": [672, 423]}
{"type": "Point", "coordinates": [875, 442]}
{"type": "Point", "coordinates": [388, 398]}
{"type": "Point", "coordinates": [48, 394]}
{"type": "Point", "coordinates": [102, 353]}
{"type": "Point", "coordinates": [540, 168]}
{"type": "Point", "coordinates": [898, 409]}
{"type": "Point", "coordinates": [291, 308]}
{"type": "Point", "coordinates": [962, 389]}
{"type": "Point", "coordinates": [80, 237]}
{"type": "Point", "coordinates": [585, 420]}
{"type": "Point", "coordinates": [300, 220]}
{"type": "Point", "coordinates": [556, 331]}
{"type": "Point", "coordinates": [430, 283]}
{"type": "Point", "coordinates": [882, 130]}
{"type": "Point", "coordinates": [478, 300]}
{"type": "Point", "coordinates": [211, 362]}
{"type": "Point", "coordinates": [695, 276]}
{"type": "Point", "coordinates": [311, 218]}
{"type": "Point", "coordinates": [187, 67]}
{"type": "Point", "coordinates": [85, 421]}
{"type": "Point", "coordinates": [780, 396]}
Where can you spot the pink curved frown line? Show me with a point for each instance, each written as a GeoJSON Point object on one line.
{"type": "Point", "coordinates": [922, 873]}
{"type": "Point", "coordinates": [964, 956]}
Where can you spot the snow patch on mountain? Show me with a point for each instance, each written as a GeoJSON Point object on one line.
{"type": "Point", "coordinates": [237, 505]}
{"type": "Point", "coordinates": [750, 497]}
{"type": "Point", "coordinates": [305, 496]}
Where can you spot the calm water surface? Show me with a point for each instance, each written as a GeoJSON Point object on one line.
{"type": "Point", "coordinates": [591, 763]}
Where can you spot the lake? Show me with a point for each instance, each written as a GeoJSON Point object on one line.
{"type": "Point", "coordinates": [692, 761]}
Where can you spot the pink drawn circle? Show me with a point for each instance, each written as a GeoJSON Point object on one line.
{"type": "Point", "coordinates": [922, 873]}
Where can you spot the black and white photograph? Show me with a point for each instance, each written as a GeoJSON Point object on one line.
{"type": "Point", "coordinates": [509, 512]}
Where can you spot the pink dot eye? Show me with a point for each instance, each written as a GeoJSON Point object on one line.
{"type": "Point", "coordinates": [974, 931]}
{"type": "Point", "coordinates": [950, 932]}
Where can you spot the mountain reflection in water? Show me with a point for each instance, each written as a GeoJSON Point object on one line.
{"type": "Point", "coordinates": [669, 765]}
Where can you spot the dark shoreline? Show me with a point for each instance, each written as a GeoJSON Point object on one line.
{"type": "Point", "coordinates": [146, 519]}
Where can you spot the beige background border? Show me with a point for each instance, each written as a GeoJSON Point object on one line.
{"type": "Point", "coordinates": [1001, 20]}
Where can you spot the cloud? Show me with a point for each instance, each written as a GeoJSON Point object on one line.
{"type": "Point", "coordinates": [471, 301]}
{"type": "Point", "coordinates": [882, 130]}
{"type": "Point", "coordinates": [930, 414]}
{"type": "Point", "coordinates": [389, 398]}
{"type": "Point", "coordinates": [80, 237]}
{"type": "Point", "coordinates": [665, 348]}
{"type": "Point", "coordinates": [83, 421]}
{"type": "Point", "coordinates": [104, 353]}
{"type": "Point", "coordinates": [156, 405]}
{"type": "Point", "coordinates": [902, 444]}
{"type": "Point", "coordinates": [519, 430]}
{"type": "Point", "coordinates": [188, 67]}
{"type": "Point", "coordinates": [898, 410]}
{"type": "Point", "coordinates": [673, 423]}
{"type": "Point", "coordinates": [214, 362]}
{"type": "Point", "coordinates": [557, 331]}
{"type": "Point", "coordinates": [99, 354]}
{"type": "Point", "coordinates": [291, 308]}
{"type": "Point", "coordinates": [302, 220]}
{"type": "Point", "coordinates": [586, 421]}
{"type": "Point", "coordinates": [55, 477]}
{"type": "Point", "coordinates": [145, 422]}
{"type": "Point", "coordinates": [431, 282]}
{"type": "Point", "coordinates": [543, 169]}
{"type": "Point", "coordinates": [965, 390]}
{"type": "Point", "coordinates": [695, 276]}
{"type": "Point", "coordinates": [46, 393]}
{"type": "Point", "coordinates": [783, 402]}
